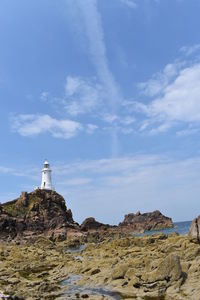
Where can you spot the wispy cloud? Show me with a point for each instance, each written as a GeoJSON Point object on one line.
{"type": "Point", "coordinates": [180, 100]}
{"type": "Point", "coordinates": [97, 48]}
{"type": "Point", "coordinates": [93, 29]}
{"type": "Point", "coordinates": [82, 96]}
{"type": "Point", "coordinates": [174, 98]}
{"type": "Point", "coordinates": [189, 50]}
{"type": "Point", "coordinates": [76, 182]}
{"type": "Point", "coordinates": [32, 125]}
{"type": "Point", "coordinates": [130, 3]}
{"type": "Point", "coordinates": [44, 96]}
{"type": "Point", "coordinates": [97, 97]}
{"type": "Point", "coordinates": [160, 80]}
{"type": "Point", "coordinates": [6, 170]}
{"type": "Point", "coordinates": [189, 131]}
{"type": "Point", "coordinates": [31, 172]}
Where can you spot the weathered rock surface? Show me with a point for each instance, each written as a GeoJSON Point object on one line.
{"type": "Point", "coordinates": [41, 211]}
{"type": "Point", "coordinates": [148, 221]}
{"type": "Point", "coordinates": [91, 224]}
{"type": "Point", "coordinates": [154, 267]}
{"type": "Point", "coordinates": [194, 232]}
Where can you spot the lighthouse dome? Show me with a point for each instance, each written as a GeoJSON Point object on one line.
{"type": "Point", "coordinates": [46, 164]}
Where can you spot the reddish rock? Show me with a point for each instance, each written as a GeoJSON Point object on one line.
{"type": "Point", "coordinates": [41, 211]}
{"type": "Point", "coordinates": [91, 224]}
{"type": "Point", "coordinates": [148, 221]}
{"type": "Point", "coordinates": [45, 212]}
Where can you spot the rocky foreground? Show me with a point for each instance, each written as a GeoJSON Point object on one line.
{"type": "Point", "coordinates": [45, 254]}
{"type": "Point", "coordinates": [108, 266]}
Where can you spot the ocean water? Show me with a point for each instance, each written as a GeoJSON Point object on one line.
{"type": "Point", "coordinates": [179, 227]}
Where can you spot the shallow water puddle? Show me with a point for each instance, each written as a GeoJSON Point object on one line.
{"type": "Point", "coordinates": [75, 249]}
{"type": "Point", "coordinates": [74, 289]}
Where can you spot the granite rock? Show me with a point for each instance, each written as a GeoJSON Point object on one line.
{"type": "Point", "coordinates": [38, 212]}
{"type": "Point", "coordinates": [147, 221]}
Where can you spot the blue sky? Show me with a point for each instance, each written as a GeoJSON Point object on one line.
{"type": "Point", "coordinates": [109, 92]}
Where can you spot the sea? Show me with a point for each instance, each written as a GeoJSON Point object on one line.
{"type": "Point", "coordinates": [179, 227]}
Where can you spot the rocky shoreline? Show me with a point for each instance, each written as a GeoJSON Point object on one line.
{"type": "Point", "coordinates": [113, 267]}
{"type": "Point", "coordinates": [45, 254]}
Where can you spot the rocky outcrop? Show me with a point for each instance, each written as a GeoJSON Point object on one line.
{"type": "Point", "coordinates": [41, 211]}
{"type": "Point", "coordinates": [132, 223]}
{"type": "Point", "coordinates": [148, 221]}
{"type": "Point", "coordinates": [194, 232]}
{"type": "Point", "coordinates": [90, 224]}
{"type": "Point", "coordinates": [45, 212]}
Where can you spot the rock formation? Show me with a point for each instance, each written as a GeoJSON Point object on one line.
{"type": "Point", "coordinates": [148, 221]}
{"type": "Point", "coordinates": [194, 232]}
{"type": "Point", "coordinates": [45, 212]}
{"type": "Point", "coordinates": [91, 224]}
{"type": "Point", "coordinates": [40, 211]}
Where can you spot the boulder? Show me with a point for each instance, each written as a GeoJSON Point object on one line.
{"type": "Point", "coordinates": [194, 232]}
{"type": "Point", "coordinates": [169, 269]}
{"type": "Point", "coordinates": [166, 279]}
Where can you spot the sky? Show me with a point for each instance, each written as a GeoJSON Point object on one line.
{"type": "Point", "coordinates": [109, 93]}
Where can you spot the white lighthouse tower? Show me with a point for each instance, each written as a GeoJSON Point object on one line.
{"type": "Point", "coordinates": [46, 177]}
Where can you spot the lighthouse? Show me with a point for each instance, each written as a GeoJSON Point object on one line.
{"type": "Point", "coordinates": [46, 177]}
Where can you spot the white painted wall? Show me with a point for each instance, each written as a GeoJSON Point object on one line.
{"type": "Point", "coordinates": [46, 177]}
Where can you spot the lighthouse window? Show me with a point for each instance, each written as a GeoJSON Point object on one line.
{"type": "Point", "coordinates": [44, 172]}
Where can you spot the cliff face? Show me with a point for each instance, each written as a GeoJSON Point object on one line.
{"type": "Point", "coordinates": [38, 212]}
{"type": "Point", "coordinates": [148, 221]}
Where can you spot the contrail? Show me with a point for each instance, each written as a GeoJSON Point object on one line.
{"type": "Point", "coordinates": [95, 35]}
